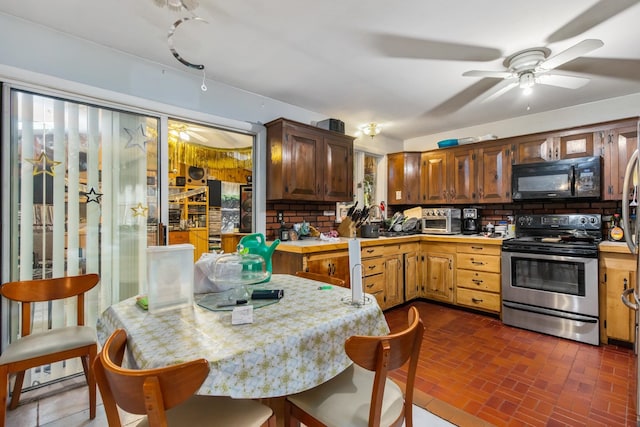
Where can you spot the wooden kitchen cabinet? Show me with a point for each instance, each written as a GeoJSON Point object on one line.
{"type": "Point", "coordinates": [308, 163]}
{"type": "Point", "coordinates": [433, 177]}
{"type": "Point", "coordinates": [403, 178]}
{"type": "Point", "coordinates": [461, 175]}
{"type": "Point", "coordinates": [617, 145]}
{"type": "Point", "coordinates": [617, 273]}
{"type": "Point", "coordinates": [466, 175]}
{"type": "Point", "coordinates": [494, 173]}
{"type": "Point", "coordinates": [440, 260]}
{"type": "Point", "coordinates": [333, 263]}
{"type": "Point", "coordinates": [478, 276]}
{"type": "Point", "coordinates": [548, 147]}
{"type": "Point", "coordinates": [383, 275]}
{"type": "Point", "coordinates": [412, 272]}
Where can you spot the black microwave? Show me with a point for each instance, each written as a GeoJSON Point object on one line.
{"type": "Point", "coordinates": [578, 178]}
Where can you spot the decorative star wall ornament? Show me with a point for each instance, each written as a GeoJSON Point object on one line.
{"type": "Point", "coordinates": [138, 138]}
{"type": "Point", "coordinates": [140, 210]}
{"type": "Point", "coordinates": [93, 196]}
{"type": "Point", "coordinates": [43, 165]}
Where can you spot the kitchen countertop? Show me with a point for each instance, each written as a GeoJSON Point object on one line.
{"type": "Point", "coordinates": [317, 245]}
{"type": "Point", "coordinates": [614, 247]}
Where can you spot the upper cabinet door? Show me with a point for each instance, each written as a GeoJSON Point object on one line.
{"type": "Point", "coordinates": [494, 174]}
{"type": "Point", "coordinates": [581, 145]}
{"type": "Point", "coordinates": [461, 166]}
{"type": "Point", "coordinates": [434, 177]}
{"type": "Point", "coordinates": [338, 168]}
{"type": "Point", "coordinates": [303, 167]}
{"type": "Point", "coordinates": [618, 145]}
{"type": "Point", "coordinates": [403, 178]}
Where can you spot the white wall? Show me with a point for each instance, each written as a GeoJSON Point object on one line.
{"type": "Point", "coordinates": [594, 112]}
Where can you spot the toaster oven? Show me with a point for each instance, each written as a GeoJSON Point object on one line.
{"type": "Point", "coordinates": [441, 221]}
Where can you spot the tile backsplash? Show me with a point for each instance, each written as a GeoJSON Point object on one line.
{"type": "Point", "coordinates": [314, 212]}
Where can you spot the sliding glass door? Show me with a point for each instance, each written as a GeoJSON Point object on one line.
{"type": "Point", "coordinates": [83, 198]}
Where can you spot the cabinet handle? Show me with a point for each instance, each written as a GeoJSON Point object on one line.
{"type": "Point", "coordinates": [476, 262]}
{"type": "Point", "coordinates": [370, 286]}
{"type": "Point", "coordinates": [624, 285]}
{"type": "Point", "coordinates": [557, 153]}
{"type": "Point", "coordinates": [477, 248]}
{"type": "Point", "coordinates": [477, 281]}
{"type": "Point", "coordinates": [370, 251]}
{"type": "Point", "coordinates": [371, 267]}
{"type": "Point", "coordinates": [476, 300]}
{"type": "Point", "coordinates": [450, 266]}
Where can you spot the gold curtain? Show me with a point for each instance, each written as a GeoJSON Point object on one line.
{"type": "Point", "coordinates": [210, 158]}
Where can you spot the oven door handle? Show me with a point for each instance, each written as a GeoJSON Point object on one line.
{"type": "Point", "coordinates": [549, 312]}
{"type": "Point", "coordinates": [631, 167]}
{"type": "Point", "coordinates": [626, 301]}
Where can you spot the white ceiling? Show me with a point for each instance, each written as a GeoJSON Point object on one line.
{"type": "Point", "coordinates": [398, 63]}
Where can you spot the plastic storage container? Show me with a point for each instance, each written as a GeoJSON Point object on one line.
{"type": "Point", "coordinates": [169, 277]}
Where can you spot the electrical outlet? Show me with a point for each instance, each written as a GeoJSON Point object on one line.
{"type": "Point", "coordinates": [280, 216]}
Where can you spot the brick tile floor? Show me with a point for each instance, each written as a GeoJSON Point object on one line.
{"type": "Point", "coordinates": [513, 377]}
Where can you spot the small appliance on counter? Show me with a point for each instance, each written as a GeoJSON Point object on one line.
{"type": "Point", "coordinates": [470, 221]}
{"type": "Point", "coordinates": [441, 221]}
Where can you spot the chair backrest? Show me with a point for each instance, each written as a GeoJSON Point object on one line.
{"type": "Point", "coordinates": [386, 353]}
{"type": "Point", "coordinates": [322, 278]}
{"type": "Point", "coordinates": [28, 291]}
{"type": "Point", "coordinates": [143, 391]}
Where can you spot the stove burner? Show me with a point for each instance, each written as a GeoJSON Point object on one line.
{"type": "Point", "coordinates": [562, 234]}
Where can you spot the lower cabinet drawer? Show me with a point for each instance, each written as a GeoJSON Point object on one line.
{"type": "Point", "coordinates": [373, 284]}
{"type": "Point", "coordinates": [372, 266]}
{"type": "Point", "coordinates": [478, 280]}
{"type": "Point", "coordinates": [479, 262]}
{"type": "Point", "coordinates": [478, 299]}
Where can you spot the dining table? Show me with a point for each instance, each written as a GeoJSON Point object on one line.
{"type": "Point", "coordinates": [293, 344]}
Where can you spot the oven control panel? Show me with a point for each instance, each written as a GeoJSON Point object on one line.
{"type": "Point", "coordinates": [560, 221]}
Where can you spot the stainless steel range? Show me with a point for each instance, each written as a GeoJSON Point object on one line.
{"type": "Point", "coordinates": [550, 275]}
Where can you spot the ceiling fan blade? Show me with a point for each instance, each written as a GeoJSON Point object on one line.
{"type": "Point", "coordinates": [567, 82]}
{"type": "Point", "coordinates": [575, 51]}
{"type": "Point", "coordinates": [409, 47]}
{"type": "Point", "coordinates": [596, 14]}
{"type": "Point", "coordinates": [499, 90]}
{"type": "Point", "coordinates": [197, 136]}
{"type": "Point", "coordinates": [492, 74]}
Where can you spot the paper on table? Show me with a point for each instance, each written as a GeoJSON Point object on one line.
{"type": "Point", "coordinates": [355, 267]}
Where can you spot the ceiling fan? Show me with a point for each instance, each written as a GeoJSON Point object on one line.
{"type": "Point", "coordinates": [533, 66]}
{"type": "Point", "coordinates": [184, 132]}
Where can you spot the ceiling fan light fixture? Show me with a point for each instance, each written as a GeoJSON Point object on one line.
{"type": "Point", "coordinates": [372, 129]}
{"type": "Point", "coordinates": [526, 82]}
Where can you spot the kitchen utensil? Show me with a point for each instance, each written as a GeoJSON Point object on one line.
{"type": "Point", "coordinates": [409, 224]}
{"type": "Point", "coordinates": [351, 209]}
{"type": "Point", "coordinates": [396, 219]}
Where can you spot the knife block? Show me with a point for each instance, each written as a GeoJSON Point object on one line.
{"type": "Point", "coordinates": [347, 228]}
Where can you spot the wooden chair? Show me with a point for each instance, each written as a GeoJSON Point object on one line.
{"type": "Point", "coordinates": [322, 278]}
{"type": "Point", "coordinates": [54, 345]}
{"type": "Point", "coordinates": [166, 395]}
{"type": "Point", "coordinates": [362, 395]}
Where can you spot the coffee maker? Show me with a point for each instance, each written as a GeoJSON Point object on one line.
{"type": "Point", "coordinates": [470, 221]}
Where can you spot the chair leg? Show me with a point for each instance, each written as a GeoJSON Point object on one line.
{"type": "Point", "coordinates": [87, 365]}
{"type": "Point", "coordinates": [4, 385]}
{"type": "Point", "coordinates": [289, 419]}
{"type": "Point", "coordinates": [17, 389]}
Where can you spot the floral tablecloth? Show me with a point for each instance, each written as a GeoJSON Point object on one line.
{"type": "Point", "coordinates": [291, 346]}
